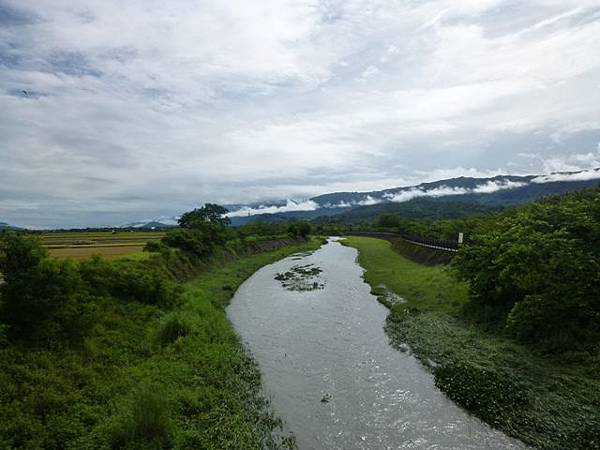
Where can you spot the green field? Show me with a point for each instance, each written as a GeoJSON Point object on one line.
{"type": "Point", "coordinates": [547, 401]}
{"type": "Point", "coordinates": [82, 244]}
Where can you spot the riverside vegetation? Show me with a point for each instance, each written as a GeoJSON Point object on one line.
{"type": "Point", "coordinates": [511, 328]}
{"type": "Point", "coordinates": [136, 353]}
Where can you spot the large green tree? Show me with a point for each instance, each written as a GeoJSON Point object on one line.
{"type": "Point", "coordinates": [200, 231]}
{"type": "Point", "coordinates": [539, 268]}
{"type": "Point", "coordinates": [210, 213]}
{"type": "Point", "coordinates": [41, 299]}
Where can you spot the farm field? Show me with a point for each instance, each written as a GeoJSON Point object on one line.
{"type": "Point", "coordinates": [82, 244]}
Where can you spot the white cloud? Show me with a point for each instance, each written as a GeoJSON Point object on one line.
{"type": "Point", "coordinates": [368, 201]}
{"type": "Point", "coordinates": [580, 176]}
{"type": "Point", "coordinates": [147, 108]}
{"type": "Point", "coordinates": [409, 194]}
{"type": "Point", "coordinates": [494, 186]}
{"type": "Point", "coordinates": [290, 206]}
{"type": "Point", "coordinates": [444, 191]}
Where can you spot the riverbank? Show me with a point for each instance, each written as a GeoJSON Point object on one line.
{"type": "Point", "coordinates": [549, 402]}
{"type": "Point", "coordinates": [146, 377]}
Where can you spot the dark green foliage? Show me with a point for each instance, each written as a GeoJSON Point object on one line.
{"type": "Point", "coordinates": [147, 424]}
{"type": "Point", "coordinates": [209, 214]}
{"type": "Point", "coordinates": [130, 280]}
{"type": "Point", "coordinates": [201, 231]}
{"type": "Point", "coordinates": [548, 403]}
{"type": "Point", "coordinates": [196, 242]}
{"type": "Point", "coordinates": [418, 209]}
{"type": "Point", "coordinates": [299, 229]}
{"type": "Point", "coordinates": [539, 268]}
{"type": "Point", "coordinates": [3, 335]}
{"type": "Point", "coordinates": [198, 387]}
{"type": "Point", "coordinates": [156, 247]}
{"type": "Point", "coordinates": [490, 394]}
{"type": "Point", "coordinates": [42, 300]}
{"type": "Point", "coordinates": [434, 229]}
{"type": "Point", "coordinates": [140, 283]}
{"type": "Point", "coordinates": [173, 327]}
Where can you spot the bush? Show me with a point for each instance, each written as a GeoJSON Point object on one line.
{"type": "Point", "coordinates": [43, 300]}
{"type": "Point", "coordinates": [3, 335]}
{"type": "Point", "coordinates": [130, 280]}
{"type": "Point", "coordinates": [147, 424]}
{"type": "Point", "coordinates": [141, 283]}
{"type": "Point", "coordinates": [191, 241]}
{"type": "Point", "coordinates": [156, 247]}
{"type": "Point", "coordinates": [486, 393]}
{"type": "Point", "coordinates": [299, 229]}
{"type": "Point", "coordinates": [541, 267]}
{"type": "Point", "coordinates": [172, 328]}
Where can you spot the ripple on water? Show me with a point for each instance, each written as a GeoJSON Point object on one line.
{"type": "Point", "coordinates": [329, 343]}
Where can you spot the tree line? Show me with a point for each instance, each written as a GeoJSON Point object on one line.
{"type": "Point", "coordinates": [51, 302]}
{"type": "Point", "coordinates": [533, 270]}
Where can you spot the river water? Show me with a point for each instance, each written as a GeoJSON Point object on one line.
{"type": "Point", "coordinates": [330, 372]}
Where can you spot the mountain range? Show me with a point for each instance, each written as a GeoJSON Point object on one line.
{"type": "Point", "coordinates": [443, 199]}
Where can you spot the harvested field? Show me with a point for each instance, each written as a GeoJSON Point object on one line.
{"type": "Point", "coordinates": [82, 244]}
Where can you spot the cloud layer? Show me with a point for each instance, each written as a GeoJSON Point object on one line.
{"type": "Point", "coordinates": [113, 111]}
{"type": "Point", "coordinates": [444, 191]}
{"type": "Point", "coordinates": [290, 206]}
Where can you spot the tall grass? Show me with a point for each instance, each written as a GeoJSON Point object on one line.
{"type": "Point", "coordinates": [147, 424]}
{"type": "Point", "coordinates": [174, 326]}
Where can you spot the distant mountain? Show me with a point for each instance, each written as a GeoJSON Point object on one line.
{"type": "Point", "coordinates": [151, 224]}
{"type": "Point", "coordinates": [448, 198]}
{"type": "Point", "coordinates": [417, 208]}
{"type": "Point", "coordinates": [5, 226]}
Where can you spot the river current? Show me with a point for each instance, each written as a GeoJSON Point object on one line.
{"type": "Point", "coordinates": [329, 370]}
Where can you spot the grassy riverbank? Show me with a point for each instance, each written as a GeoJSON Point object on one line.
{"type": "Point", "coordinates": [144, 377]}
{"type": "Point", "coordinates": [550, 402]}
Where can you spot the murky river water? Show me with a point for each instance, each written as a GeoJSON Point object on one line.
{"type": "Point", "coordinates": [331, 374]}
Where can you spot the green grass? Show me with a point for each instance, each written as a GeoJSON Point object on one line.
{"type": "Point", "coordinates": [547, 401]}
{"type": "Point", "coordinates": [427, 288]}
{"type": "Point", "coordinates": [145, 378]}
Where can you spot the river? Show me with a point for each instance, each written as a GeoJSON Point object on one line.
{"type": "Point", "coordinates": [329, 370]}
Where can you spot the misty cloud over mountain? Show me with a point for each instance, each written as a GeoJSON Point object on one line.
{"type": "Point", "coordinates": [439, 189]}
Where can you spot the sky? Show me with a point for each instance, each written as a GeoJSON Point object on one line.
{"type": "Point", "coordinates": [113, 111]}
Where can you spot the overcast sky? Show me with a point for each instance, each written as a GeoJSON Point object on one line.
{"type": "Point", "coordinates": [141, 108]}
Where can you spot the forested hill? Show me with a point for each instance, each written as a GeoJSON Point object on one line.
{"type": "Point", "coordinates": [444, 199]}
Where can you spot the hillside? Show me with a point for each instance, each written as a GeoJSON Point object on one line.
{"type": "Point", "coordinates": [5, 226]}
{"type": "Point", "coordinates": [443, 199]}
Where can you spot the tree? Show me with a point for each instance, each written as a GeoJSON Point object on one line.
{"type": "Point", "coordinates": [41, 299]}
{"type": "Point", "coordinates": [200, 231]}
{"type": "Point", "coordinates": [539, 268]}
{"type": "Point", "coordinates": [299, 229]}
{"type": "Point", "coordinates": [210, 213]}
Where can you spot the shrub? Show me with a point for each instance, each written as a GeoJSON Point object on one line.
{"type": "Point", "coordinates": [487, 393]}
{"type": "Point", "coordinates": [172, 328]}
{"type": "Point", "coordinates": [191, 241]}
{"type": "Point", "coordinates": [141, 283]}
{"type": "Point", "coordinates": [3, 335]}
{"type": "Point", "coordinates": [299, 229]}
{"type": "Point", "coordinates": [540, 268]}
{"type": "Point", "coordinates": [155, 247]}
{"type": "Point", "coordinates": [43, 300]}
{"type": "Point", "coordinates": [147, 423]}
{"type": "Point", "coordinates": [130, 280]}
